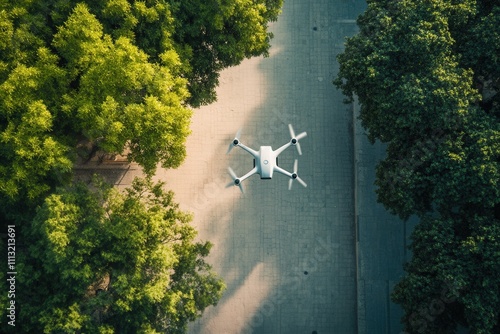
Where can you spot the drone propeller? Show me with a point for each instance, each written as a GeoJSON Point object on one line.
{"type": "Point", "coordinates": [236, 181]}
{"type": "Point", "coordinates": [235, 141]}
{"type": "Point", "coordinates": [295, 176]}
{"type": "Point", "coordinates": [295, 139]}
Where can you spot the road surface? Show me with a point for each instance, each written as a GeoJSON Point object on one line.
{"type": "Point", "coordinates": [320, 259]}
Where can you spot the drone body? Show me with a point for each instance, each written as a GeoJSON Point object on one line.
{"type": "Point", "coordinates": [266, 160]}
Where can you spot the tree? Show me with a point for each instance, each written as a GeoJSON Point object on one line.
{"type": "Point", "coordinates": [119, 77]}
{"type": "Point", "coordinates": [105, 261]}
{"type": "Point", "coordinates": [212, 35]}
{"type": "Point", "coordinates": [418, 93]}
{"type": "Point", "coordinates": [427, 77]}
{"type": "Point", "coordinates": [453, 278]}
{"type": "Point", "coordinates": [31, 156]}
{"type": "Point", "coordinates": [402, 67]}
{"type": "Point", "coordinates": [117, 74]}
{"type": "Point", "coordinates": [444, 170]}
{"type": "Point", "coordinates": [207, 35]}
{"type": "Point", "coordinates": [72, 82]}
{"type": "Point", "coordinates": [416, 96]}
{"type": "Point", "coordinates": [122, 99]}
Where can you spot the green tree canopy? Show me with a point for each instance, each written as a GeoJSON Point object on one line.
{"type": "Point", "coordinates": [443, 170]}
{"type": "Point", "coordinates": [117, 74]}
{"type": "Point", "coordinates": [78, 82]}
{"type": "Point", "coordinates": [453, 278]}
{"type": "Point", "coordinates": [403, 69]}
{"type": "Point", "coordinates": [104, 261]}
{"type": "Point", "coordinates": [123, 99]}
{"type": "Point", "coordinates": [427, 77]}
{"type": "Point", "coordinates": [212, 35]}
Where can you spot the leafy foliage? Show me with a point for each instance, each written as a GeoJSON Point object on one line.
{"type": "Point", "coordinates": [31, 154]}
{"type": "Point", "coordinates": [216, 34]}
{"type": "Point", "coordinates": [117, 74]}
{"type": "Point", "coordinates": [123, 100]}
{"type": "Point", "coordinates": [443, 170]}
{"type": "Point", "coordinates": [418, 90]}
{"type": "Point", "coordinates": [402, 67]}
{"type": "Point", "coordinates": [428, 79]}
{"type": "Point", "coordinates": [116, 262]}
{"type": "Point", "coordinates": [61, 84]}
{"type": "Point", "coordinates": [453, 278]}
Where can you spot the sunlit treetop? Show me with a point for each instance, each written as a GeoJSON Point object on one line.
{"type": "Point", "coordinates": [116, 262]}
{"type": "Point", "coordinates": [116, 74]}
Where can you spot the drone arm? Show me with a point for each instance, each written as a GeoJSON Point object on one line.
{"type": "Point", "coordinates": [282, 148]}
{"type": "Point", "coordinates": [247, 175]}
{"type": "Point", "coordinates": [249, 150]}
{"type": "Point", "coordinates": [282, 171]}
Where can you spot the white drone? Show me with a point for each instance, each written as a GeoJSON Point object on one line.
{"type": "Point", "coordinates": [266, 160]}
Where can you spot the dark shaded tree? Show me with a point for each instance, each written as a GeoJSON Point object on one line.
{"type": "Point", "coordinates": [426, 74]}
{"type": "Point", "coordinates": [453, 278]}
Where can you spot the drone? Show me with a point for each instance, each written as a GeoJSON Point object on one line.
{"type": "Point", "coordinates": [266, 160]}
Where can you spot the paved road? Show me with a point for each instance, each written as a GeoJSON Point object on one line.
{"type": "Point", "coordinates": [294, 262]}
{"type": "Point", "coordinates": [381, 244]}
